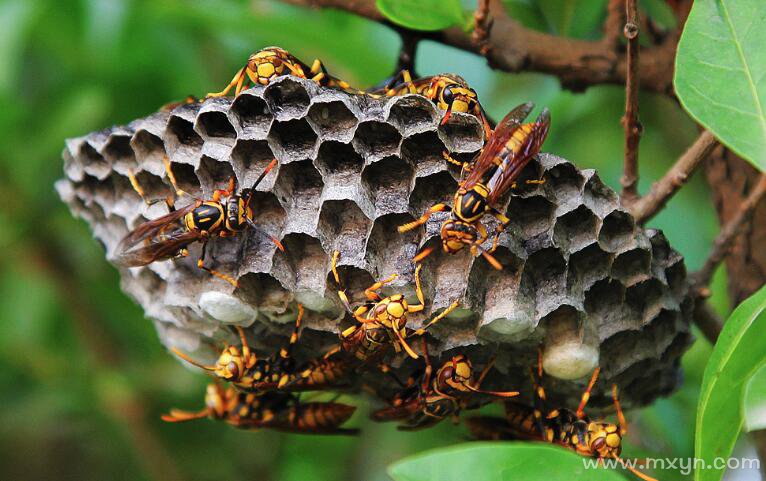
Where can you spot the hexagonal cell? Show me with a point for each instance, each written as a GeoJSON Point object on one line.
{"type": "Point", "coordinates": [292, 140]}
{"type": "Point", "coordinates": [423, 148]}
{"type": "Point", "coordinates": [307, 262]}
{"type": "Point", "coordinates": [360, 279]}
{"type": "Point", "coordinates": [249, 159]}
{"type": "Point", "coordinates": [148, 147]}
{"type": "Point", "coordinates": [388, 249]}
{"type": "Point", "coordinates": [587, 266]}
{"type": "Point", "coordinates": [598, 197]}
{"type": "Point", "coordinates": [601, 304]}
{"type": "Point", "coordinates": [645, 297]}
{"type": "Point", "coordinates": [529, 180]}
{"type": "Point", "coordinates": [119, 153]}
{"type": "Point", "coordinates": [186, 178]}
{"type": "Point", "coordinates": [215, 124]}
{"type": "Point", "coordinates": [182, 140]}
{"type": "Point", "coordinates": [530, 216]}
{"type": "Point", "coordinates": [563, 182]}
{"type": "Point", "coordinates": [335, 158]}
{"type": "Point", "coordinates": [544, 269]}
{"type": "Point", "coordinates": [374, 140]}
{"type": "Point", "coordinates": [251, 116]}
{"type": "Point", "coordinates": [412, 114]}
{"type": "Point", "coordinates": [153, 186]}
{"type": "Point", "coordinates": [213, 174]}
{"type": "Point", "coordinates": [632, 266]}
{"type": "Point", "coordinates": [332, 120]}
{"type": "Point", "coordinates": [676, 277]}
{"type": "Point", "coordinates": [261, 289]}
{"type": "Point", "coordinates": [93, 163]}
{"type": "Point", "coordinates": [341, 224]}
{"type": "Point", "coordinates": [576, 229]}
{"type": "Point", "coordinates": [617, 231]}
{"type": "Point", "coordinates": [389, 183]}
{"type": "Point", "coordinates": [462, 133]}
{"type": "Point", "coordinates": [299, 188]}
{"type": "Point", "coordinates": [439, 187]}
{"type": "Point", "coordinates": [662, 328]}
{"type": "Point", "coordinates": [287, 98]}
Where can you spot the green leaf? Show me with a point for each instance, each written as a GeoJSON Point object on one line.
{"type": "Point", "coordinates": [498, 461]}
{"type": "Point", "coordinates": [739, 353]}
{"type": "Point", "coordinates": [755, 402]}
{"type": "Point", "coordinates": [721, 73]}
{"type": "Point", "coordinates": [422, 14]}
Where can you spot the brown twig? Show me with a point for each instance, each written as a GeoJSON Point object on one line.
{"type": "Point", "coordinates": [708, 321]}
{"type": "Point", "coordinates": [661, 191]}
{"type": "Point", "coordinates": [613, 25]}
{"type": "Point", "coordinates": [481, 27]}
{"type": "Point", "coordinates": [630, 121]}
{"type": "Point", "coordinates": [727, 235]}
{"type": "Point", "coordinates": [514, 48]}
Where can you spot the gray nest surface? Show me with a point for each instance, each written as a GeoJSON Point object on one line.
{"type": "Point", "coordinates": [581, 279]}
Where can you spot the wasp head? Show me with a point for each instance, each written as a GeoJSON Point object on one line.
{"type": "Point", "coordinates": [453, 95]}
{"type": "Point", "coordinates": [604, 439]}
{"type": "Point", "coordinates": [455, 375]}
{"type": "Point", "coordinates": [391, 311]}
{"type": "Point", "coordinates": [238, 211]}
{"type": "Point", "coordinates": [456, 235]}
{"type": "Point", "coordinates": [230, 365]}
{"type": "Point", "coordinates": [267, 64]}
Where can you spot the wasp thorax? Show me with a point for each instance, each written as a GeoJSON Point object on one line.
{"type": "Point", "coordinates": [455, 374]}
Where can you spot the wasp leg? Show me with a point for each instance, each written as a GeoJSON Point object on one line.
{"type": "Point", "coordinates": [237, 80]}
{"type": "Point", "coordinates": [341, 292]}
{"type": "Point", "coordinates": [286, 352]}
{"type": "Point", "coordinates": [426, 382]}
{"type": "Point", "coordinates": [178, 416]}
{"type": "Point", "coordinates": [140, 191]}
{"type": "Point", "coordinates": [418, 292]}
{"type": "Point", "coordinates": [586, 394]}
{"type": "Point", "coordinates": [171, 176]}
{"type": "Point", "coordinates": [465, 166]}
{"type": "Point", "coordinates": [438, 318]}
{"type": "Point", "coordinates": [371, 293]}
{"type": "Point", "coordinates": [220, 275]}
{"type": "Point", "coordinates": [623, 424]}
{"type": "Point", "coordinates": [424, 218]}
{"type": "Point", "coordinates": [422, 255]}
{"type": "Point", "coordinates": [504, 221]}
{"type": "Point", "coordinates": [218, 193]}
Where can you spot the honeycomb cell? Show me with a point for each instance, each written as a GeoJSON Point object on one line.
{"type": "Point", "coordinates": [250, 116]}
{"type": "Point", "coordinates": [298, 188]}
{"type": "Point", "coordinates": [388, 180]}
{"type": "Point", "coordinates": [387, 249]}
{"type": "Point", "coordinates": [530, 216]}
{"type": "Point", "coordinates": [374, 140]}
{"type": "Point", "coordinates": [462, 133]}
{"type": "Point", "coordinates": [215, 124]}
{"type": "Point", "coordinates": [182, 142]}
{"type": "Point", "coordinates": [306, 262]}
{"type": "Point", "coordinates": [249, 158]}
{"type": "Point", "coordinates": [412, 114]}
{"type": "Point", "coordinates": [341, 224]}
{"type": "Point", "coordinates": [576, 229]}
{"type": "Point", "coordinates": [186, 178]}
{"type": "Point", "coordinates": [617, 231]}
{"type": "Point", "coordinates": [597, 196]}
{"type": "Point", "coordinates": [424, 149]}
{"type": "Point", "coordinates": [213, 175]}
{"type": "Point", "coordinates": [645, 297]}
{"type": "Point", "coordinates": [93, 162]}
{"type": "Point", "coordinates": [119, 153]}
{"type": "Point", "coordinates": [632, 266]}
{"type": "Point", "coordinates": [564, 182]}
{"type": "Point", "coordinates": [149, 149]}
{"type": "Point", "coordinates": [431, 190]}
{"type": "Point", "coordinates": [587, 266]}
{"type": "Point", "coordinates": [292, 140]}
{"type": "Point", "coordinates": [333, 121]}
{"type": "Point", "coordinates": [261, 289]}
{"type": "Point", "coordinates": [287, 98]}
{"type": "Point", "coordinates": [335, 158]}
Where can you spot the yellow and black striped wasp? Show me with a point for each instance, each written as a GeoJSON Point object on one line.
{"type": "Point", "coordinates": [382, 323]}
{"type": "Point", "coordinates": [495, 170]}
{"type": "Point", "coordinates": [167, 237]}
{"type": "Point", "coordinates": [280, 411]}
{"type": "Point", "coordinates": [423, 404]}
{"type": "Point", "coordinates": [271, 62]}
{"type": "Point", "coordinates": [572, 430]}
{"type": "Point", "coordinates": [240, 366]}
{"type": "Point", "coordinates": [449, 92]}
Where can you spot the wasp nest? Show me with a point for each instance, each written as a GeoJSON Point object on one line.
{"type": "Point", "coordinates": [580, 278]}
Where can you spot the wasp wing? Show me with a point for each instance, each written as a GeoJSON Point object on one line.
{"type": "Point", "coordinates": [500, 136]}
{"type": "Point", "coordinates": [150, 229]}
{"type": "Point", "coordinates": [157, 249]}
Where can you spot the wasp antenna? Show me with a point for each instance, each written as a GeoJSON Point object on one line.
{"type": "Point", "coordinates": [447, 115]}
{"type": "Point", "coordinates": [264, 173]}
{"type": "Point", "coordinates": [633, 470]}
{"type": "Point", "coordinates": [493, 393]}
{"type": "Point", "coordinates": [256, 228]}
{"type": "Point", "coordinates": [191, 361]}
{"type": "Point", "coordinates": [178, 416]}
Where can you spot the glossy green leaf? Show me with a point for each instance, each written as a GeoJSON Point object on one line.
{"type": "Point", "coordinates": [570, 18]}
{"type": "Point", "coordinates": [721, 73]}
{"type": "Point", "coordinates": [739, 353]}
{"type": "Point", "coordinates": [755, 402]}
{"type": "Point", "coordinates": [422, 14]}
{"type": "Point", "coordinates": [498, 461]}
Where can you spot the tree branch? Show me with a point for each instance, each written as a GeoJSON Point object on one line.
{"type": "Point", "coordinates": [708, 321]}
{"type": "Point", "coordinates": [630, 120]}
{"type": "Point", "coordinates": [661, 191]}
{"type": "Point", "coordinates": [727, 235]}
{"type": "Point", "coordinates": [513, 48]}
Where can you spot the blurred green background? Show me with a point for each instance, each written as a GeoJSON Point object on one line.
{"type": "Point", "coordinates": [83, 378]}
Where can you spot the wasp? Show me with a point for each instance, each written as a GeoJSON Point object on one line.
{"type": "Point", "coordinates": [449, 92]}
{"type": "Point", "coordinates": [506, 153]}
{"type": "Point", "coordinates": [271, 62]}
{"type": "Point", "coordinates": [275, 410]}
{"type": "Point", "coordinates": [572, 430]}
{"type": "Point", "coordinates": [436, 397]}
{"type": "Point", "coordinates": [382, 322]}
{"type": "Point", "coordinates": [241, 366]}
{"type": "Point", "coordinates": [167, 237]}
